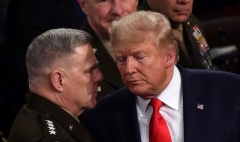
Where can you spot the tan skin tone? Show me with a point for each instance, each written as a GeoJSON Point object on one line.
{"type": "Point", "coordinates": [177, 11]}
{"type": "Point", "coordinates": [71, 82]}
{"type": "Point", "coordinates": [145, 70]}
{"type": "Point", "coordinates": [101, 13]}
{"type": "Point", "coordinates": [78, 80]}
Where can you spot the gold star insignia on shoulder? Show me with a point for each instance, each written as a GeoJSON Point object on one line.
{"type": "Point", "coordinates": [94, 50]}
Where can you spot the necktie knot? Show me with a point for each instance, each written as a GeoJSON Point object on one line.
{"type": "Point", "coordinates": [156, 104]}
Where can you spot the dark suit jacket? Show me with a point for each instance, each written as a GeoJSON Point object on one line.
{"type": "Point", "coordinates": [115, 117]}
{"type": "Point", "coordinates": [191, 43]}
{"type": "Point", "coordinates": [112, 79]}
{"type": "Point", "coordinates": [35, 119]}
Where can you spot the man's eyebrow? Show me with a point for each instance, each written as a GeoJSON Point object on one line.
{"type": "Point", "coordinates": [137, 52]}
{"type": "Point", "coordinates": [96, 65]}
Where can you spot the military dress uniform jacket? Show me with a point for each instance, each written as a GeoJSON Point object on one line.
{"type": "Point", "coordinates": [192, 44]}
{"type": "Point", "coordinates": [112, 79]}
{"type": "Point", "coordinates": [43, 121]}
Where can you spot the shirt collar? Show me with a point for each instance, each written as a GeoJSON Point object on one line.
{"type": "Point", "coordinates": [170, 95]}
{"type": "Point", "coordinates": [69, 112]}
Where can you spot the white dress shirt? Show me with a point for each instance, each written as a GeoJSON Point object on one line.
{"type": "Point", "coordinates": [172, 110]}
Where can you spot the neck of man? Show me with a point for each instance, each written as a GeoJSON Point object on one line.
{"type": "Point", "coordinates": [104, 36]}
{"type": "Point", "coordinates": [175, 25]}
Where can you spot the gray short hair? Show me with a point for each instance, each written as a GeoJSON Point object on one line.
{"type": "Point", "coordinates": [133, 28]}
{"type": "Point", "coordinates": [51, 46]}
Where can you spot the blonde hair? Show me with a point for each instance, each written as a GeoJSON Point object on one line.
{"type": "Point", "coordinates": [133, 29]}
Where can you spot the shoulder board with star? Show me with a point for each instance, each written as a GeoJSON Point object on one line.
{"type": "Point", "coordinates": [50, 130]}
{"type": "Point", "coordinates": [49, 126]}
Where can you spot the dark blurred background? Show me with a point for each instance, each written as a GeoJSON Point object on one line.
{"type": "Point", "coordinates": [221, 22]}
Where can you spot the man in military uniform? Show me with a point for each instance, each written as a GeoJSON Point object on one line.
{"type": "Point", "coordinates": [193, 48]}
{"type": "Point", "coordinates": [100, 15]}
{"type": "Point", "coordinates": [63, 80]}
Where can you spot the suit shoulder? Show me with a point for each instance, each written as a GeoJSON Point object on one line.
{"type": "Point", "coordinates": [193, 20]}
{"type": "Point", "coordinates": [120, 96]}
{"type": "Point", "coordinates": [192, 16]}
{"type": "Point", "coordinates": [215, 76]}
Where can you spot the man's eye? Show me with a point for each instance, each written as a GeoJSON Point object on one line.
{"type": "Point", "coordinates": [121, 60]}
{"type": "Point", "coordinates": [140, 57]}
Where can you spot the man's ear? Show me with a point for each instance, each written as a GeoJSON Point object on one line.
{"type": "Point", "coordinates": [83, 4]}
{"type": "Point", "coordinates": [137, 1]}
{"type": "Point", "coordinates": [57, 80]}
{"type": "Point", "coordinates": [170, 55]}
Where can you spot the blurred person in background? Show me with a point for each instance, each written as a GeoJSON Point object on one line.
{"type": "Point", "coordinates": [100, 15]}
{"type": "Point", "coordinates": [193, 48]}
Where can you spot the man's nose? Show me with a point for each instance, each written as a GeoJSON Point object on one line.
{"type": "Point", "coordinates": [130, 66]}
{"type": "Point", "coordinates": [117, 7]}
{"type": "Point", "coordinates": [100, 76]}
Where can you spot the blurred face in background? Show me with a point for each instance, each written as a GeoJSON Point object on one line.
{"type": "Point", "coordinates": [177, 11]}
{"type": "Point", "coordinates": [101, 13]}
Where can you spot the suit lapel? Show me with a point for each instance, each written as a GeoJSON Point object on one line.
{"type": "Point", "coordinates": [194, 117]}
{"type": "Point", "coordinates": [107, 65]}
{"type": "Point", "coordinates": [127, 122]}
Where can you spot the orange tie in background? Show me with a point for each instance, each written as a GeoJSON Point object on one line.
{"type": "Point", "coordinates": [158, 129]}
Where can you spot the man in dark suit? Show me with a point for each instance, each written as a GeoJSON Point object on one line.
{"type": "Point", "coordinates": [100, 15]}
{"type": "Point", "coordinates": [197, 105]}
{"type": "Point", "coordinates": [63, 79]}
{"type": "Point", "coordinates": [193, 48]}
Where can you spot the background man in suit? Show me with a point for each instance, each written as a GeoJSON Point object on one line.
{"type": "Point", "coordinates": [100, 15]}
{"type": "Point", "coordinates": [198, 106]}
{"type": "Point", "coordinates": [63, 78]}
{"type": "Point", "coordinates": [193, 48]}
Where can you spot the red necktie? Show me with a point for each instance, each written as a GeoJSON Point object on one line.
{"type": "Point", "coordinates": [158, 129]}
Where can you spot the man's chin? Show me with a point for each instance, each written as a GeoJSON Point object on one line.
{"type": "Point", "coordinates": [92, 104]}
{"type": "Point", "coordinates": [181, 18]}
{"type": "Point", "coordinates": [136, 90]}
